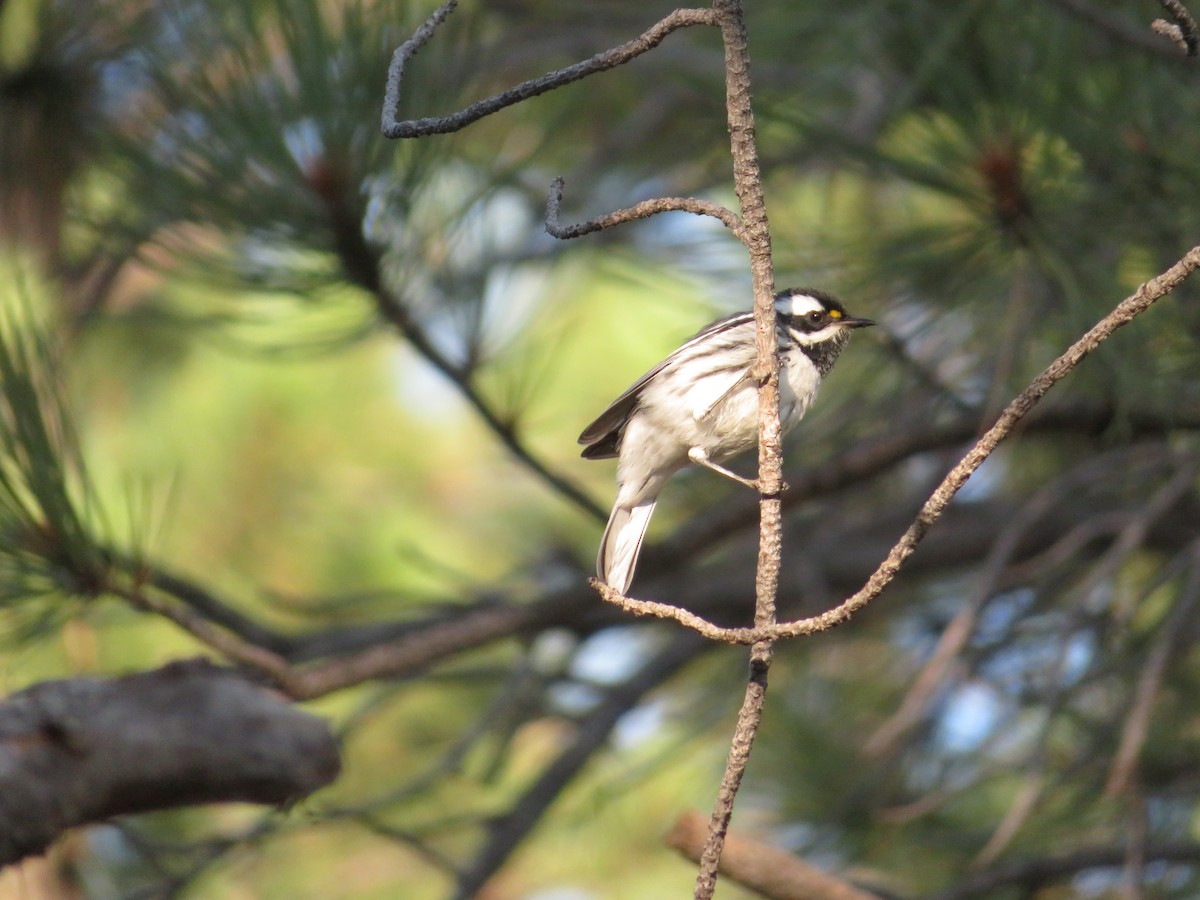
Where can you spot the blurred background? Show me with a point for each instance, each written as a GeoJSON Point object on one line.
{"type": "Point", "coordinates": [329, 386]}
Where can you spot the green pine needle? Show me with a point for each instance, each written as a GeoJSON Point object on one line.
{"type": "Point", "coordinates": [48, 541]}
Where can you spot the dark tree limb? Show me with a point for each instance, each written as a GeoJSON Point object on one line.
{"type": "Point", "coordinates": [394, 128]}
{"type": "Point", "coordinates": [202, 601]}
{"type": "Point", "coordinates": [313, 664]}
{"type": "Point", "coordinates": [84, 750]}
{"type": "Point", "coordinates": [505, 832]}
{"type": "Point", "coordinates": [504, 430]}
{"type": "Point", "coordinates": [1034, 873]}
{"type": "Point", "coordinates": [478, 624]}
{"type": "Point", "coordinates": [363, 268]}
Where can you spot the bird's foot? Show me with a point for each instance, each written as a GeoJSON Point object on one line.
{"type": "Point", "coordinates": [700, 458]}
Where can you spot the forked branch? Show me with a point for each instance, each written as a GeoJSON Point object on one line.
{"type": "Point", "coordinates": [393, 127]}
{"type": "Point", "coordinates": [1022, 404]}
{"type": "Point", "coordinates": [408, 128]}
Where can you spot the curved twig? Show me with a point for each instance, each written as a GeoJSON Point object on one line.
{"type": "Point", "coordinates": [1182, 30]}
{"type": "Point", "coordinates": [393, 128]}
{"type": "Point", "coordinates": [643, 210]}
{"type": "Point", "coordinates": [1122, 314]}
{"type": "Point", "coordinates": [1118, 28]}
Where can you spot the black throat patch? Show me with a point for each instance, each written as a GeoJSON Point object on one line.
{"type": "Point", "coordinates": [825, 354]}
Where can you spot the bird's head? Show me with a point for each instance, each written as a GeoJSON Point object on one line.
{"type": "Point", "coordinates": [813, 317]}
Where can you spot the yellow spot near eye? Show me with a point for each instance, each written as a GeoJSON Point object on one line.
{"type": "Point", "coordinates": [835, 314]}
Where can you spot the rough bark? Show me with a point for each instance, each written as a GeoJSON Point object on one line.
{"type": "Point", "coordinates": [87, 749]}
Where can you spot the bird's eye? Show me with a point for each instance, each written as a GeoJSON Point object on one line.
{"type": "Point", "coordinates": [815, 316]}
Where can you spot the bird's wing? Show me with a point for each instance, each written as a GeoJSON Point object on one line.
{"type": "Point", "coordinates": [721, 384]}
{"type": "Point", "coordinates": [603, 437]}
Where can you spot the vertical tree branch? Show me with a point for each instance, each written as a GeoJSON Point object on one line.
{"type": "Point", "coordinates": [755, 234]}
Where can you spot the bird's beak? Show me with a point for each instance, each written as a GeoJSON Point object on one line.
{"type": "Point", "coordinates": [855, 322]}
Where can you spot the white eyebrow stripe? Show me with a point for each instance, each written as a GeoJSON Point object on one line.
{"type": "Point", "coordinates": [799, 305]}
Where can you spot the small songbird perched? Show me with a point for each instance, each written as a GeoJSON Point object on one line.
{"type": "Point", "coordinates": [700, 405]}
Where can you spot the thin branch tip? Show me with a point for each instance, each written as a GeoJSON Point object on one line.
{"type": "Point", "coordinates": [643, 210]}
{"type": "Point", "coordinates": [1181, 30]}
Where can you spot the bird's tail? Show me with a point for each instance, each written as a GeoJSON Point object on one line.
{"type": "Point", "coordinates": [622, 542]}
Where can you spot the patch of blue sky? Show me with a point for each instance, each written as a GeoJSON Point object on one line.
{"type": "Point", "coordinates": [969, 717]}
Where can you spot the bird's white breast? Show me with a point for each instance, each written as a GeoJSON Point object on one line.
{"type": "Point", "coordinates": [798, 383]}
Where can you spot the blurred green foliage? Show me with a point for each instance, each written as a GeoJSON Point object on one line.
{"type": "Point", "coordinates": [249, 302]}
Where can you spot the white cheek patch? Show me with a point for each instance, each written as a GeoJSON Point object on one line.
{"type": "Point", "coordinates": [799, 305]}
{"type": "Point", "coordinates": [814, 337]}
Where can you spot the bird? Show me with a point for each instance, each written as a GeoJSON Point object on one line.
{"type": "Point", "coordinates": [699, 406]}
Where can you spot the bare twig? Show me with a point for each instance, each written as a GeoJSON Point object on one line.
{"type": "Point", "coordinates": [648, 40]}
{"type": "Point", "coordinates": [643, 210]}
{"type": "Point", "coordinates": [392, 128]}
{"type": "Point", "coordinates": [1118, 28]}
{"type": "Point", "coordinates": [1181, 30]}
{"type": "Point", "coordinates": [1122, 314]}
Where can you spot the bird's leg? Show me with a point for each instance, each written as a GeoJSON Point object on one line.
{"type": "Point", "coordinates": [700, 458]}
